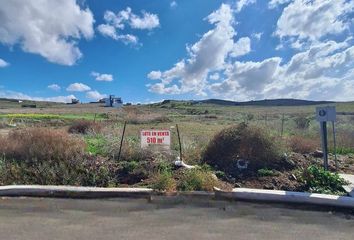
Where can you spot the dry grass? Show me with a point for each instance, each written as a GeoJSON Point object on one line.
{"type": "Point", "coordinates": [302, 145]}
{"type": "Point", "coordinates": [85, 126]}
{"type": "Point", "coordinates": [41, 144]}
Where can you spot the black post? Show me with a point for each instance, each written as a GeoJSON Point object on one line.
{"type": "Point", "coordinates": [121, 140]}
{"type": "Point", "coordinates": [179, 142]}
{"type": "Point", "coordinates": [94, 118]}
{"type": "Point", "coordinates": [335, 146]}
{"type": "Point", "coordinates": [324, 144]}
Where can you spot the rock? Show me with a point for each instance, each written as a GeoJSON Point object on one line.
{"type": "Point", "coordinates": [317, 154]}
{"type": "Point", "coordinates": [238, 185]}
{"type": "Point", "coordinates": [268, 186]}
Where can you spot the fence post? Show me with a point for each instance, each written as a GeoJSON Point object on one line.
{"type": "Point", "coordinates": [121, 140]}
{"type": "Point", "coordinates": [179, 142]}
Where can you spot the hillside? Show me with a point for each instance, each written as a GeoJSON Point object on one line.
{"type": "Point", "coordinates": [266, 102]}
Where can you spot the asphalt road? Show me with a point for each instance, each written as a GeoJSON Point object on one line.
{"type": "Point", "coordinates": [37, 219]}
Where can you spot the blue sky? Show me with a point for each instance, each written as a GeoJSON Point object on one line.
{"type": "Point", "coordinates": [149, 50]}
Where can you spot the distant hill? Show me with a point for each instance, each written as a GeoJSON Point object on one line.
{"type": "Point", "coordinates": [266, 102]}
{"type": "Point", "coordinates": [17, 103]}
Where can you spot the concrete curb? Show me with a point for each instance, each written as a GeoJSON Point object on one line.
{"type": "Point", "coordinates": [285, 197]}
{"type": "Point", "coordinates": [245, 194]}
{"type": "Point", "coordinates": [71, 191]}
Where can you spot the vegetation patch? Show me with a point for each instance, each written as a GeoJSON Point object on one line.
{"type": "Point", "coordinates": [85, 126]}
{"type": "Point", "coordinates": [242, 142]}
{"type": "Point", "coordinates": [30, 116]}
{"type": "Point", "coordinates": [318, 180]}
{"type": "Point", "coordinates": [303, 145]}
{"type": "Point", "coordinates": [265, 172]}
{"type": "Point", "coordinates": [164, 181]}
{"type": "Point", "coordinates": [196, 180]}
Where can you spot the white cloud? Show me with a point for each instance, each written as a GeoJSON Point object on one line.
{"type": "Point", "coordinates": [154, 75]}
{"type": "Point", "coordinates": [102, 76]}
{"type": "Point", "coordinates": [207, 55]}
{"type": "Point", "coordinates": [257, 35]}
{"type": "Point", "coordinates": [115, 23]}
{"type": "Point", "coordinates": [173, 4]}
{"type": "Point", "coordinates": [320, 69]}
{"type": "Point", "coordinates": [3, 63]}
{"type": "Point", "coordinates": [276, 3]}
{"type": "Point", "coordinates": [241, 47]}
{"type": "Point", "coordinates": [240, 4]}
{"type": "Point", "coordinates": [147, 21]}
{"type": "Point", "coordinates": [22, 96]}
{"type": "Point", "coordinates": [313, 20]}
{"type": "Point", "coordinates": [323, 72]}
{"type": "Point", "coordinates": [214, 76]}
{"type": "Point", "coordinates": [48, 28]}
{"type": "Point", "coordinates": [78, 87]}
{"type": "Point", "coordinates": [95, 95]}
{"type": "Point", "coordinates": [54, 87]}
{"type": "Point", "coordinates": [108, 31]}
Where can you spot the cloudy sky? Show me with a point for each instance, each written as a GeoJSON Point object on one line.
{"type": "Point", "coordinates": [149, 50]}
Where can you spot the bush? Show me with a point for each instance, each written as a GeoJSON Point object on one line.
{"type": "Point", "coordinates": [302, 145]}
{"type": "Point", "coordinates": [47, 156]}
{"type": "Point", "coordinates": [196, 180]}
{"type": "Point", "coordinates": [318, 180]}
{"type": "Point", "coordinates": [164, 182]}
{"type": "Point", "coordinates": [84, 127]}
{"type": "Point", "coordinates": [41, 144]}
{"type": "Point", "coordinates": [96, 144]}
{"type": "Point", "coordinates": [302, 122]}
{"type": "Point", "coordinates": [241, 142]}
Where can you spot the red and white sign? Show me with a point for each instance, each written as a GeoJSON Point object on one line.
{"type": "Point", "coordinates": [155, 137]}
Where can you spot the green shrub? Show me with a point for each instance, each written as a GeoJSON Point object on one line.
{"type": "Point", "coordinates": [242, 142]}
{"type": "Point", "coordinates": [265, 172]}
{"type": "Point", "coordinates": [318, 180]}
{"type": "Point", "coordinates": [96, 144]}
{"type": "Point", "coordinates": [164, 182]}
{"type": "Point", "coordinates": [196, 180]}
{"type": "Point", "coordinates": [342, 150]}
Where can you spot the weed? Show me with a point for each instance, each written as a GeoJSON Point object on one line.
{"type": "Point", "coordinates": [96, 144]}
{"type": "Point", "coordinates": [196, 180]}
{"type": "Point", "coordinates": [302, 145]}
{"type": "Point", "coordinates": [265, 172]}
{"type": "Point", "coordinates": [342, 150]}
{"type": "Point", "coordinates": [164, 182]}
{"type": "Point", "coordinates": [318, 180]}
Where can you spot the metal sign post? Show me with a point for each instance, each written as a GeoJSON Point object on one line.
{"type": "Point", "coordinates": [324, 115]}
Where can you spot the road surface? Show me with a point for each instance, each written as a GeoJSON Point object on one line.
{"type": "Point", "coordinates": [37, 219]}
